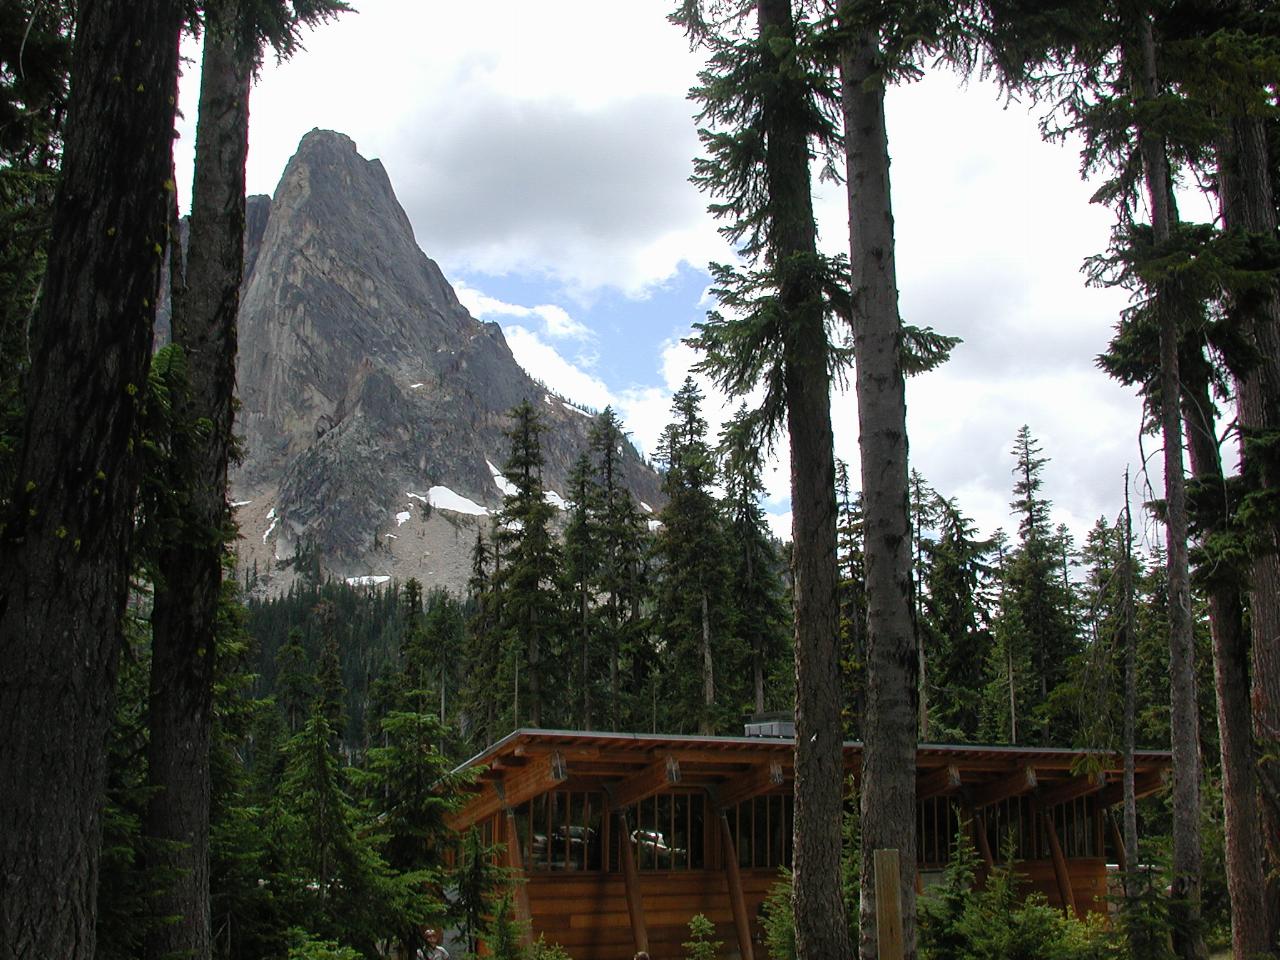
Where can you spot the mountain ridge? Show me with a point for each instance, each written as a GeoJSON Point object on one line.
{"type": "Point", "coordinates": [365, 385]}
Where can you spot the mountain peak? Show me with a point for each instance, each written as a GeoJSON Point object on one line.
{"type": "Point", "coordinates": [365, 384]}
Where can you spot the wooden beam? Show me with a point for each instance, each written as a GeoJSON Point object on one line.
{"type": "Point", "coordinates": [631, 882]}
{"type": "Point", "coordinates": [540, 775]}
{"type": "Point", "coordinates": [1117, 841]}
{"type": "Point", "coordinates": [1072, 789]}
{"type": "Point", "coordinates": [1060, 871]}
{"type": "Point", "coordinates": [515, 863]}
{"type": "Point", "coordinates": [741, 923]}
{"type": "Point", "coordinates": [1144, 784]}
{"type": "Point", "coordinates": [656, 777]}
{"type": "Point", "coordinates": [1022, 780]}
{"type": "Point", "coordinates": [937, 783]}
{"type": "Point", "coordinates": [979, 823]}
{"type": "Point", "coordinates": [753, 783]}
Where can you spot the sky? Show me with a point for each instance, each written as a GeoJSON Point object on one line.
{"type": "Point", "coordinates": [542, 152]}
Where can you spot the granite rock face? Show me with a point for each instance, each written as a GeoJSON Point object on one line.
{"type": "Point", "coordinates": [364, 384]}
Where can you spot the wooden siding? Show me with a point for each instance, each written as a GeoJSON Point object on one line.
{"type": "Point", "coordinates": [587, 914]}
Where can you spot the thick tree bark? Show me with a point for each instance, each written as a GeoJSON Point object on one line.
{"type": "Point", "coordinates": [64, 545]}
{"type": "Point", "coordinates": [889, 751]}
{"type": "Point", "coordinates": [1184, 721]}
{"type": "Point", "coordinates": [1249, 204]}
{"type": "Point", "coordinates": [189, 585]}
{"type": "Point", "coordinates": [1246, 884]}
{"type": "Point", "coordinates": [821, 933]}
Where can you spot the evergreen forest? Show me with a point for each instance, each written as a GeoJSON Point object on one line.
{"type": "Point", "coordinates": [191, 769]}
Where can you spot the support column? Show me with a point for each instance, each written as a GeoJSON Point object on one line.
{"type": "Point", "coordinates": [1059, 865]}
{"type": "Point", "coordinates": [1117, 841]}
{"type": "Point", "coordinates": [631, 879]}
{"type": "Point", "coordinates": [741, 921]}
{"type": "Point", "coordinates": [515, 863]}
{"type": "Point", "coordinates": [979, 823]}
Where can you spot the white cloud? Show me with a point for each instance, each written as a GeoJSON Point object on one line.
{"type": "Point", "coordinates": [520, 144]}
{"type": "Point", "coordinates": [556, 321]}
{"type": "Point", "coordinates": [545, 363]}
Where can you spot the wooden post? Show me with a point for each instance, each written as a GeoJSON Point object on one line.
{"type": "Point", "coordinates": [515, 862]}
{"type": "Point", "coordinates": [980, 836]}
{"type": "Point", "coordinates": [1117, 841]}
{"type": "Point", "coordinates": [740, 920]}
{"type": "Point", "coordinates": [1059, 865]}
{"type": "Point", "coordinates": [631, 879]}
{"type": "Point", "coordinates": [888, 905]}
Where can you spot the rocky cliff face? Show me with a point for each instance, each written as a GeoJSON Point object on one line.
{"type": "Point", "coordinates": [367, 391]}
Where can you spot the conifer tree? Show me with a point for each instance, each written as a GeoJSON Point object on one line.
{"type": "Point", "coordinates": [693, 612]}
{"type": "Point", "coordinates": [295, 684]}
{"type": "Point", "coordinates": [192, 554]}
{"type": "Point", "coordinates": [923, 516]}
{"type": "Point", "coordinates": [332, 881]}
{"type": "Point", "coordinates": [583, 556]}
{"type": "Point", "coordinates": [483, 648]}
{"type": "Point", "coordinates": [853, 600]}
{"type": "Point", "coordinates": [756, 595]}
{"type": "Point", "coordinates": [767, 103]}
{"type": "Point", "coordinates": [619, 579]}
{"type": "Point", "coordinates": [956, 622]}
{"type": "Point", "coordinates": [529, 612]}
{"type": "Point", "coordinates": [33, 103]}
{"type": "Point", "coordinates": [1245, 44]}
{"type": "Point", "coordinates": [1134, 118]}
{"type": "Point", "coordinates": [1008, 695]}
{"type": "Point", "coordinates": [1034, 611]}
{"type": "Point", "coordinates": [66, 521]}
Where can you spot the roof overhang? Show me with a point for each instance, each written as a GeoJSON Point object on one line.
{"type": "Point", "coordinates": [630, 767]}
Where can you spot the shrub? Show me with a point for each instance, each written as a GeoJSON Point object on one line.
{"type": "Point", "coordinates": [958, 921]}
{"type": "Point", "coordinates": [778, 920]}
{"type": "Point", "coordinates": [700, 946]}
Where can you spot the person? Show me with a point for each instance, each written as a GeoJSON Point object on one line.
{"type": "Point", "coordinates": [433, 950]}
{"type": "Point", "coordinates": [641, 955]}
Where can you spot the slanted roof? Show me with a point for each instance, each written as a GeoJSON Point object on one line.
{"type": "Point", "coordinates": [629, 767]}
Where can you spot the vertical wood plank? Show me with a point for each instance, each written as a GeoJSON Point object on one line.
{"type": "Point", "coordinates": [888, 905]}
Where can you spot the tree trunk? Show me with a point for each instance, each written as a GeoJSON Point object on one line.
{"type": "Point", "coordinates": [1246, 883]}
{"type": "Point", "coordinates": [1184, 722]}
{"type": "Point", "coordinates": [189, 586]}
{"type": "Point", "coordinates": [889, 751]}
{"type": "Point", "coordinates": [707, 727]}
{"type": "Point", "coordinates": [821, 933]}
{"type": "Point", "coordinates": [1248, 204]}
{"type": "Point", "coordinates": [64, 545]}
{"type": "Point", "coordinates": [1130, 797]}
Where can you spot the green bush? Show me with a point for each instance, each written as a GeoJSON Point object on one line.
{"type": "Point", "coordinates": [700, 946]}
{"type": "Point", "coordinates": [778, 920]}
{"type": "Point", "coordinates": [304, 946]}
{"type": "Point", "coordinates": [958, 921]}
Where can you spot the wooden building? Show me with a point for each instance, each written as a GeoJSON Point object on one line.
{"type": "Point", "coordinates": [621, 838]}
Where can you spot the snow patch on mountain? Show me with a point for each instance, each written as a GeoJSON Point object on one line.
{"type": "Point", "coordinates": [505, 486]}
{"type": "Point", "coordinates": [442, 498]}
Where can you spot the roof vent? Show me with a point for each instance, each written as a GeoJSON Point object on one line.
{"type": "Point", "coordinates": [780, 724]}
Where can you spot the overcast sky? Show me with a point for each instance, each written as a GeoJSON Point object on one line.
{"type": "Point", "coordinates": [542, 153]}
